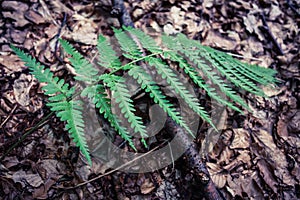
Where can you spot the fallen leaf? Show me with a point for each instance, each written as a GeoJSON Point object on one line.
{"type": "Point", "coordinates": [147, 187]}
{"type": "Point", "coordinates": [218, 177]}
{"type": "Point", "coordinates": [27, 178]}
{"type": "Point", "coordinates": [241, 139]}
{"type": "Point", "coordinates": [21, 89]}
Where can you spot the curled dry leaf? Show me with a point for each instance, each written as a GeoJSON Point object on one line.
{"type": "Point", "coordinates": [21, 89]}
{"type": "Point", "coordinates": [241, 139]}
{"type": "Point", "coordinates": [274, 156]}
{"type": "Point", "coordinates": [147, 187]}
{"type": "Point", "coordinates": [218, 177]}
{"type": "Point", "coordinates": [27, 178]}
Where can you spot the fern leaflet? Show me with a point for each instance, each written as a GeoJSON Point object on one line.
{"type": "Point", "coordinates": [150, 86]}
{"type": "Point", "coordinates": [102, 102]}
{"type": "Point", "coordinates": [122, 96]}
{"type": "Point", "coordinates": [179, 88]}
{"type": "Point", "coordinates": [67, 110]}
{"type": "Point", "coordinates": [84, 69]}
{"type": "Point", "coordinates": [107, 56]}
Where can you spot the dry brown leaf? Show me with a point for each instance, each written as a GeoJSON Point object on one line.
{"type": "Point", "coordinates": [252, 22]}
{"type": "Point", "coordinates": [147, 186]}
{"type": "Point", "coordinates": [11, 63]}
{"type": "Point", "coordinates": [271, 91]}
{"type": "Point", "coordinates": [27, 178]}
{"type": "Point", "coordinates": [218, 177]}
{"type": "Point", "coordinates": [226, 155]}
{"type": "Point", "coordinates": [16, 12]}
{"type": "Point", "coordinates": [84, 31]}
{"type": "Point", "coordinates": [208, 3]}
{"type": "Point", "coordinates": [275, 12]}
{"type": "Point", "coordinates": [266, 169]}
{"type": "Point", "coordinates": [241, 139]}
{"type": "Point", "coordinates": [247, 183]}
{"type": "Point", "coordinates": [34, 17]}
{"type": "Point", "coordinates": [275, 156]}
{"type": "Point", "coordinates": [21, 89]}
{"type": "Point", "coordinates": [214, 39]}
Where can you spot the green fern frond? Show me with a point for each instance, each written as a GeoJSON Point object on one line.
{"type": "Point", "coordinates": [150, 86]}
{"type": "Point", "coordinates": [219, 60]}
{"type": "Point", "coordinates": [130, 48]}
{"type": "Point", "coordinates": [84, 69]}
{"type": "Point", "coordinates": [99, 97]}
{"type": "Point", "coordinates": [107, 56]}
{"type": "Point", "coordinates": [196, 78]}
{"type": "Point", "coordinates": [146, 41]}
{"type": "Point", "coordinates": [263, 76]}
{"type": "Point", "coordinates": [122, 96]}
{"type": "Point", "coordinates": [199, 57]}
{"type": "Point", "coordinates": [166, 72]}
{"type": "Point", "coordinates": [75, 126]}
{"type": "Point", "coordinates": [138, 47]}
{"type": "Point", "coordinates": [67, 110]}
{"type": "Point", "coordinates": [54, 85]}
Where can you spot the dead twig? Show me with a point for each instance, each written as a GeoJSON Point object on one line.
{"type": "Point", "coordinates": [10, 114]}
{"type": "Point", "coordinates": [195, 162]}
{"type": "Point", "coordinates": [292, 7]}
{"type": "Point", "coordinates": [63, 23]}
{"type": "Point", "coordinates": [265, 28]}
{"type": "Point", "coordinates": [109, 172]}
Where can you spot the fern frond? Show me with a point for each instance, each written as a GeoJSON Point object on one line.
{"type": "Point", "coordinates": [196, 78]}
{"type": "Point", "coordinates": [71, 112]}
{"type": "Point", "coordinates": [130, 48]}
{"type": "Point", "coordinates": [67, 110]}
{"type": "Point", "coordinates": [75, 126]}
{"type": "Point", "coordinates": [150, 86]}
{"type": "Point", "coordinates": [107, 56]}
{"type": "Point", "coordinates": [146, 41]}
{"type": "Point", "coordinates": [167, 73]}
{"type": "Point", "coordinates": [219, 61]}
{"type": "Point", "coordinates": [84, 69]}
{"type": "Point", "coordinates": [122, 96]}
{"type": "Point", "coordinates": [263, 76]}
{"type": "Point", "coordinates": [199, 57]}
{"type": "Point", "coordinates": [54, 84]}
{"type": "Point", "coordinates": [138, 47]}
{"type": "Point", "coordinates": [99, 97]}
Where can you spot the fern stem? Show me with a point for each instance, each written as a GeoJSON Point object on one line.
{"type": "Point", "coordinates": [126, 66]}
{"type": "Point", "coordinates": [22, 138]}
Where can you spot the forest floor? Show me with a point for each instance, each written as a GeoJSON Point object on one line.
{"type": "Point", "coordinates": [257, 155]}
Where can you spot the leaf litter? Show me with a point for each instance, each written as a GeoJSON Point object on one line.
{"type": "Point", "coordinates": [255, 158]}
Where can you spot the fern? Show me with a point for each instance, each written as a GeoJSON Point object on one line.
{"type": "Point", "coordinates": [122, 96]}
{"type": "Point", "coordinates": [66, 109]}
{"type": "Point", "coordinates": [84, 69]}
{"type": "Point", "coordinates": [150, 86]}
{"type": "Point", "coordinates": [137, 47]}
{"type": "Point", "coordinates": [102, 102]}
{"type": "Point", "coordinates": [107, 56]}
